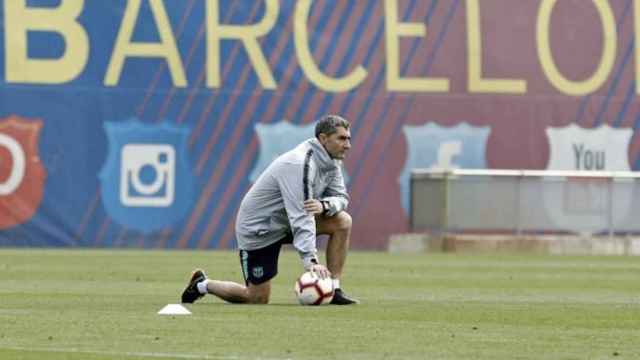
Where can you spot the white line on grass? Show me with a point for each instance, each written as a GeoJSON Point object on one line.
{"type": "Point", "coordinates": [126, 354]}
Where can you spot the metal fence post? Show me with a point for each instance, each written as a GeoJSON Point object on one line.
{"type": "Point", "coordinates": [445, 216]}
{"type": "Point", "coordinates": [610, 204]}
{"type": "Point", "coordinates": [518, 203]}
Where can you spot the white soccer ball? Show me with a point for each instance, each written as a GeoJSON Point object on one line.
{"type": "Point", "coordinates": [312, 290]}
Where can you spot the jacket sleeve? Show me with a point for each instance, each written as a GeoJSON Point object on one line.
{"type": "Point", "coordinates": [303, 225]}
{"type": "Point", "coordinates": [336, 194]}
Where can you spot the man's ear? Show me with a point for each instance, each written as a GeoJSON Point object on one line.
{"type": "Point", "coordinates": [322, 138]}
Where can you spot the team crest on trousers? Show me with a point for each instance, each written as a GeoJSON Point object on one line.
{"type": "Point", "coordinates": [22, 175]}
{"type": "Point", "coordinates": [146, 181]}
{"type": "Point", "coordinates": [433, 146]}
{"type": "Point", "coordinates": [257, 272]}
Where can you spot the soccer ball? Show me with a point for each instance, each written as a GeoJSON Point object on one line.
{"type": "Point", "coordinates": [312, 290]}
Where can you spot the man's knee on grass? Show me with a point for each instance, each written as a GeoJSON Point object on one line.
{"type": "Point", "coordinates": [259, 294]}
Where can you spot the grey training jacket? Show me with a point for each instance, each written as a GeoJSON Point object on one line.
{"type": "Point", "coordinates": [273, 206]}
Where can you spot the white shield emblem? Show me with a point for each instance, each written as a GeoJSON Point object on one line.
{"type": "Point", "coordinates": [600, 149]}
{"type": "Point", "coordinates": [435, 146]}
{"type": "Point", "coordinates": [276, 139]}
{"type": "Point", "coordinates": [584, 204]}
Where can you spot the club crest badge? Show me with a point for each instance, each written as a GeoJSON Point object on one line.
{"type": "Point", "coordinates": [146, 182]}
{"type": "Point", "coordinates": [587, 202]}
{"type": "Point", "coordinates": [22, 175]}
{"type": "Point", "coordinates": [432, 146]}
{"type": "Point", "coordinates": [257, 272]}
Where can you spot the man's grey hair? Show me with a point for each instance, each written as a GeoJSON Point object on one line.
{"type": "Point", "coordinates": [329, 124]}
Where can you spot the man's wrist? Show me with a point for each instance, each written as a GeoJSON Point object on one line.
{"type": "Point", "coordinates": [325, 206]}
{"type": "Point", "coordinates": [309, 262]}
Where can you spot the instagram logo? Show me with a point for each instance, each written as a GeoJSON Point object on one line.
{"type": "Point", "coordinates": [147, 181]}
{"type": "Point", "coordinates": [147, 175]}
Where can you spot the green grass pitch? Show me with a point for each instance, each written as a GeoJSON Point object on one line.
{"type": "Point", "coordinates": [79, 304]}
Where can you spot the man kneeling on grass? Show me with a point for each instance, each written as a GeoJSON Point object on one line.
{"type": "Point", "coordinates": [300, 195]}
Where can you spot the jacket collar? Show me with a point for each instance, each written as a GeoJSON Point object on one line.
{"type": "Point", "coordinates": [324, 160]}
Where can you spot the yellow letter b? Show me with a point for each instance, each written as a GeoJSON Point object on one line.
{"type": "Point", "coordinates": [20, 19]}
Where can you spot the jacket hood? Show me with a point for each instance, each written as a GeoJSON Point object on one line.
{"type": "Point", "coordinates": [325, 161]}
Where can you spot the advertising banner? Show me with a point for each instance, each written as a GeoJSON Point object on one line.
{"type": "Point", "coordinates": [142, 123]}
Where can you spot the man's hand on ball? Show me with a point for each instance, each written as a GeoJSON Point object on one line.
{"type": "Point", "coordinates": [320, 270]}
